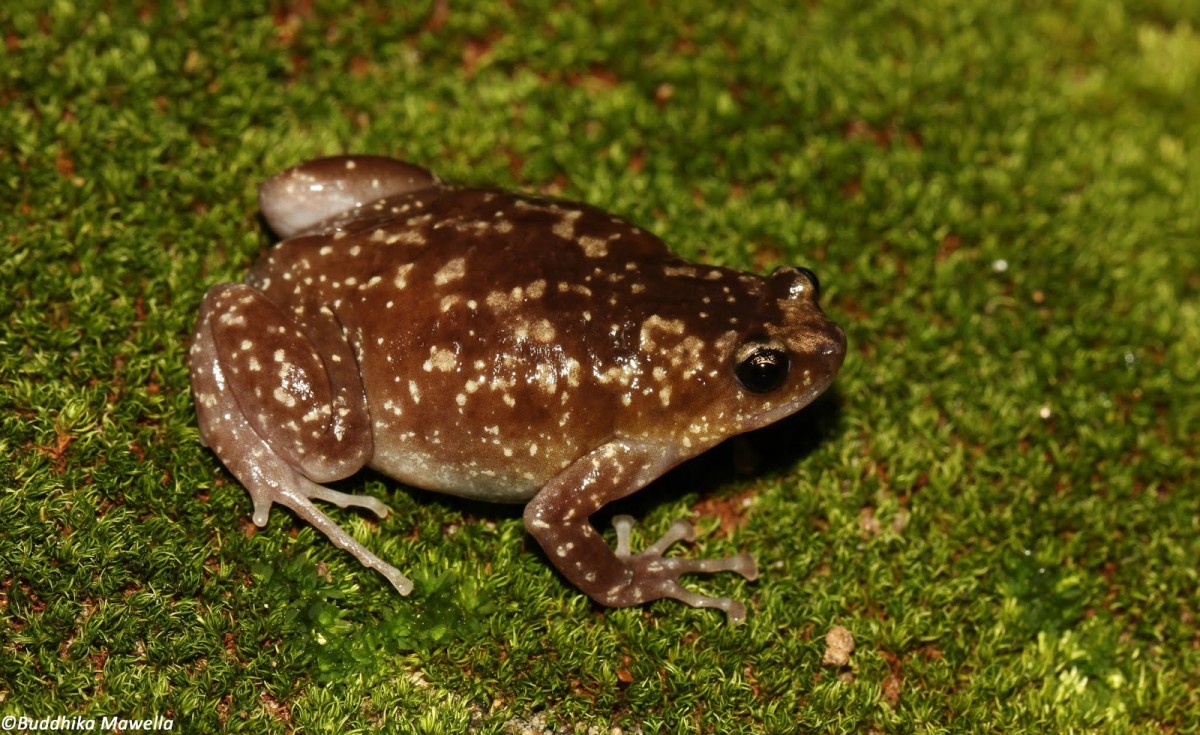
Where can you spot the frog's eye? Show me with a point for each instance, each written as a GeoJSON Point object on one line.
{"type": "Point", "coordinates": [761, 366]}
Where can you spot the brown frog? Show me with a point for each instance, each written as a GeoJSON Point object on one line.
{"type": "Point", "coordinates": [494, 346]}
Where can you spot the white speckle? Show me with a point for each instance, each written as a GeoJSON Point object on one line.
{"type": "Point", "coordinates": [500, 301]}
{"type": "Point", "coordinates": [407, 237]}
{"type": "Point", "coordinates": [284, 397]}
{"type": "Point", "coordinates": [999, 265]}
{"type": "Point", "coordinates": [401, 278]}
{"type": "Point", "coordinates": [544, 331]}
{"type": "Point", "coordinates": [247, 344]}
{"type": "Point", "coordinates": [593, 247]}
{"type": "Point", "coordinates": [442, 359]}
{"type": "Point", "coordinates": [536, 289]}
{"type": "Point", "coordinates": [677, 271]}
{"type": "Point", "coordinates": [414, 391]}
{"type": "Point", "coordinates": [565, 227]}
{"type": "Point", "coordinates": [452, 271]}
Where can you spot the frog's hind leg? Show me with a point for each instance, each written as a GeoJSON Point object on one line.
{"type": "Point", "coordinates": [281, 416]}
{"type": "Point", "coordinates": [302, 197]}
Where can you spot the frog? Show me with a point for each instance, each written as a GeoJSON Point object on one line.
{"type": "Point", "coordinates": [495, 346]}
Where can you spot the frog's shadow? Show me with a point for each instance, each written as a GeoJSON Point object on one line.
{"type": "Point", "coordinates": [767, 452]}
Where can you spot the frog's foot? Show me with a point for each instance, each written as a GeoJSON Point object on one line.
{"type": "Point", "coordinates": [298, 495]}
{"type": "Point", "coordinates": [656, 576]}
{"type": "Point", "coordinates": [270, 480]}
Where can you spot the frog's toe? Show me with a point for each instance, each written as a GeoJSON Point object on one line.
{"type": "Point", "coordinates": [345, 500]}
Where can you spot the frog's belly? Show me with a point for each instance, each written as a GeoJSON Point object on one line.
{"type": "Point", "coordinates": [466, 479]}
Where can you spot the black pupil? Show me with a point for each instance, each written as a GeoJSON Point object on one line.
{"type": "Point", "coordinates": [764, 370]}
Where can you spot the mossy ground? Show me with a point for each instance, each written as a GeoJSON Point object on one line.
{"type": "Point", "coordinates": [999, 498]}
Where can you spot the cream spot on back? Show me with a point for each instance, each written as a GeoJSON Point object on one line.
{"type": "Point", "coordinates": [565, 227]}
{"type": "Point", "coordinates": [407, 237]}
{"type": "Point", "coordinates": [451, 271]}
{"type": "Point", "coordinates": [501, 302]}
{"type": "Point", "coordinates": [593, 247]}
{"type": "Point", "coordinates": [401, 278]}
{"type": "Point", "coordinates": [678, 271]}
{"type": "Point", "coordinates": [536, 289]}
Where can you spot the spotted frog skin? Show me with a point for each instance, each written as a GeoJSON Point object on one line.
{"type": "Point", "coordinates": [493, 346]}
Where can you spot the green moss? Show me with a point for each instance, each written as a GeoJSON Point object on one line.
{"type": "Point", "coordinates": [998, 499]}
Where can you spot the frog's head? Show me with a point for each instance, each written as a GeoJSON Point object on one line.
{"type": "Point", "coordinates": [783, 361]}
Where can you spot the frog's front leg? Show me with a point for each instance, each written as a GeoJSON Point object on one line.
{"type": "Point", "coordinates": [281, 415]}
{"type": "Point", "coordinates": [558, 518]}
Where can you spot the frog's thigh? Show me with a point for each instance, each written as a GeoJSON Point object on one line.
{"type": "Point", "coordinates": [283, 387]}
{"type": "Point", "coordinates": [250, 449]}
